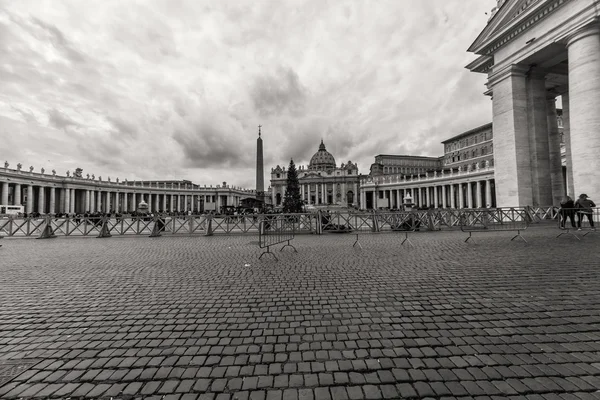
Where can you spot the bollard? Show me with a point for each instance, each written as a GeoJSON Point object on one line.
{"type": "Point", "coordinates": [47, 232]}
{"type": "Point", "coordinates": [158, 227]}
{"type": "Point", "coordinates": [209, 230]}
{"type": "Point", "coordinates": [105, 231]}
{"type": "Point", "coordinates": [375, 227]}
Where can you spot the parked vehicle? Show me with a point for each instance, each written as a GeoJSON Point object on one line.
{"type": "Point", "coordinates": [11, 210]}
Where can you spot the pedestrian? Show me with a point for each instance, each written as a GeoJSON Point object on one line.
{"type": "Point", "coordinates": [567, 210]}
{"type": "Point", "coordinates": [583, 206]}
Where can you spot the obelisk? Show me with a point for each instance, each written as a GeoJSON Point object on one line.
{"type": "Point", "coordinates": [260, 173]}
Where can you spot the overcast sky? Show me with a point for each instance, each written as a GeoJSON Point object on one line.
{"type": "Point", "coordinates": [170, 89]}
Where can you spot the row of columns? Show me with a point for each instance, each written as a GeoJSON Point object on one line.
{"type": "Point", "coordinates": [70, 200]}
{"type": "Point", "coordinates": [526, 137]}
{"type": "Point", "coordinates": [476, 194]}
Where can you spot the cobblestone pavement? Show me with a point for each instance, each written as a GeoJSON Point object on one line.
{"type": "Point", "coordinates": [202, 318]}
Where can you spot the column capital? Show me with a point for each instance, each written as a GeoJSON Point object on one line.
{"type": "Point", "coordinates": [588, 30]}
{"type": "Point", "coordinates": [517, 70]}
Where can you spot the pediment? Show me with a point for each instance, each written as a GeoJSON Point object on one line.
{"type": "Point", "coordinates": [512, 19]}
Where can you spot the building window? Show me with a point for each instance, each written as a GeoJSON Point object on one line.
{"type": "Point", "coordinates": [279, 175]}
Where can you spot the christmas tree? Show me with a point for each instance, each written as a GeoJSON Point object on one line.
{"type": "Point", "coordinates": [292, 203]}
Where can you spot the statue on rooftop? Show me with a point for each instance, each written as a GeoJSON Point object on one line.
{"type": "Point", "coordinates": [19, 166]}
{"type": "Point", "coordinates": [6, 164]}
{"type": "Point", "coordinates": [31, 168]}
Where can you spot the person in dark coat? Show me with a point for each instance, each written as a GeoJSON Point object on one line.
{"type": "Point", "coordinates": [584, 206]}
{"type": "Point", "coordinates": [567, 210]}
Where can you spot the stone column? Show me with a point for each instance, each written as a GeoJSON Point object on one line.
{"type": "Point", "coordinates": [511, 139]}
{"type": "Point", "coordinates": [164, 203]}
{"type": "Point", "coordinates": [4, 193]}
{"type": "Point", "coordinates": [107, 205]}
{"type": "Point", "coordinates": [92, 201]}
{"type": "Point", "coordinates": [435, 197]}
{"type": "Point", "coordinates": [567, 139]}
{"type": "Point", "coordinates": [555, 163]}
{"type": "Point", "coordinates": [541, 185]}
{"type": "Point", "coordinates": [323, 194]}
{"type": "Point", "coordinates": [584, 97]}
{"type": "Point", "coordinates": [444, 197]}
{"type": "Point", "coordinates": [488, 193]}
{"type": "Point", "coordinates": [452, 199]}
{"type": "Point", "coordinates": [41, 200]}
{"type": "Point", "coordinates": [461, 196]}
{"type": "Point", "coordinates": [363, 199]}
{"type": "Point", "coordinates": [67, 200]}
{"type": "Point", "coordinates": [172, 203]}
{"type": "Point", "coordinates": [156, 202]}
{"type": "Point", "coordinates": [72, 202]}
{"type": "Point", "coordinates": [52, 200]}
{"type": "Point", "coordinates": [17, 195]}
{"type": "Point", "coordinates": [99, 202]}
{"type": "Point", "coordinates": [86, 202]}
{"type": "Point", "coordinates": [478, 195]}
{"type": "Point", "coordinates": [470, 194]}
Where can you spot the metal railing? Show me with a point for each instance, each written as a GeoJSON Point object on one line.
{"type": "Point", "coordinates": [275, 229]}
{"type": "Point", "coordinates": [498, 219]}
{"type": "Point", "coordinates": [314, 223]}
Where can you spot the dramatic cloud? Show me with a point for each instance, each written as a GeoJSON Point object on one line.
{"type": "Point", "coordinates": [176, 89]}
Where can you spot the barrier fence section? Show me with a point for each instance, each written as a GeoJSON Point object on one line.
{"type": "Point", "coordinates": [496, 219]}
{"type": "Point", "coordinates": [276, 229]}
{"type": "Point", "coordinates": [540, 213]}
{"type": "Point", "coordinates": [579, 220]}
{"type": "Point", "coordinates": [316, 223]}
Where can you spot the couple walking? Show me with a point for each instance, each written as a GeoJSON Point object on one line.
{"type": "Point", "coordinates": [583, 206]}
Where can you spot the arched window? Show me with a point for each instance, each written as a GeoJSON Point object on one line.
{"type": "Point", "coordinates": [278, 199]}
{"type": "Point", "coordinates": [350, 197]}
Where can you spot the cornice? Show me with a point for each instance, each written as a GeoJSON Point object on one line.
{"type": "Point", "coordinates": [519, 24]}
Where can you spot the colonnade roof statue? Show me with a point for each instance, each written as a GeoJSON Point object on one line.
{"type": "Point", "coordinates": [532, 52]}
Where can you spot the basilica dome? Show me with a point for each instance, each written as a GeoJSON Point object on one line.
{"type": "Point", "coordinates": [322, 159]}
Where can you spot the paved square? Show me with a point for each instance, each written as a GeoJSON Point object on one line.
{"type": "Point", "coordinates": [202, 317]}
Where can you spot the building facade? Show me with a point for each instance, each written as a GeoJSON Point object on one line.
{"type": "Point", "coordinates": [387, 164]}
{"type": "Point", "coordinates": [470, 149]}
{"type": "Point", "coordinates": [532, 53]}
{"type": "Point", "coordinates": [321, 182]}
{"type": "Point", "coordinates": [74, 193]}
{"type": "Point", "coordinates": [462, 178]}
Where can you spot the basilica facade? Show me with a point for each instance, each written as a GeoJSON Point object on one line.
{"type": "Point", "coordinates": [322, 182]}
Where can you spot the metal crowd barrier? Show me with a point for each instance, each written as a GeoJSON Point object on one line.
{"type": "Point", "coordinates": [579, 220]}
{"type": "Point", "coordinates": [275, 229]}
{"type": "Point", "coordinates": [469, 220]}
{"type": "Point", "coordinates": [494, 220]}
{"type": "Point", "coordinates": [539, 213]}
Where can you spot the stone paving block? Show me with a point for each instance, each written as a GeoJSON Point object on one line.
{"type": "Point", "coordinates": [308, 324]}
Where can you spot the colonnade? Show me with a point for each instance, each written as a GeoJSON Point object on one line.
{"type": "Point", "coordinates": [321, 192]}
{"type": "Point", "coordinates": [52, 199]}
{"type": "Point", "coordinates": [470, 194]}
